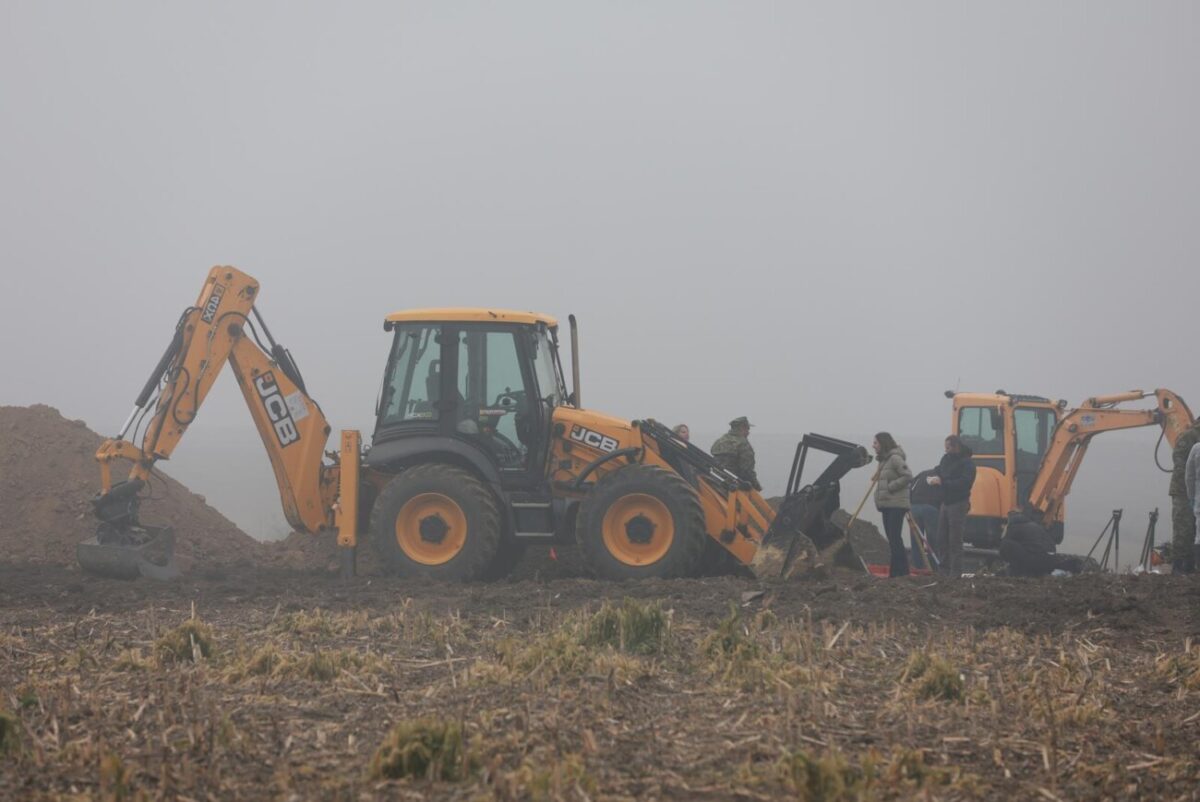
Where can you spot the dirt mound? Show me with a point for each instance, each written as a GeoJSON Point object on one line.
{"type": "Point", "coordinates": [868, 542]}
{"type": "Point", "coordinates": [48, 474]}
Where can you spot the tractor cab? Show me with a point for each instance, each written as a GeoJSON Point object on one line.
{"type": "Point", "coordinates": [475, 388]}
{"type": "Point", "coordinates": [488, 380]}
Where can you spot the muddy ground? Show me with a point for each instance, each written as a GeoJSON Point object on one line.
{"type": "Point", "coordinates": [830, 687]}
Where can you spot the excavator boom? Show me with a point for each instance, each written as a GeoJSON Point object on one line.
{"type": "Point", "coordinates": [219, 329]}
{"type": "Point", "coordinates": [1075, 431]}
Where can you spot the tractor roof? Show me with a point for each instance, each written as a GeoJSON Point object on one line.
{"type": "Point", "coordinates": [462, 314]}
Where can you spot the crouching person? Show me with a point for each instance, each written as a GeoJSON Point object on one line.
{"type": "Point", "coordinates": [1029, 549]}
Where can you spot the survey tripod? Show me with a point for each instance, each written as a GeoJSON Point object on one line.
{"type": "Point", "coordinates": [1148, 544]}
{"type": "Point", "coordinates": [1112, 546]}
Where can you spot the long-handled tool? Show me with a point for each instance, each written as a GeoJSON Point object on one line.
{"type": "Point", "coordinates": [863, 503]}
{"type": "Point", "coordinates": [857, 511]}
{"type": "Point", "coordinates": [931, 558]}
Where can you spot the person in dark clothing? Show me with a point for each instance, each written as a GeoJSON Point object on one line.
{"type": "Point", "coordinates": [1029, 549]}
{"type": "Point", "coordinates": [926, 501]}
{"type": "Point", "coordinates": [955, 474]}
{"type": "Point", "coordinates": [891, 497]}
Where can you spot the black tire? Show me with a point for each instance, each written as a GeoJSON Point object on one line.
{"type": "Point", "coordinates": [716, 560]}
{"type": "Point", "coordinates": [507, 556]}
{"type": "Point", "coordinates": [477, 525]}
{"type": "Point", "coordinates": [682, 550]}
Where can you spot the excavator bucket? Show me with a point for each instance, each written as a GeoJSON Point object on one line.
{"type": "Point", "coordinates": [803, 524]}
{"type": "Point", "coordinates": [141, 551]}
{"type": "Point", "coordinates": [123, 548]}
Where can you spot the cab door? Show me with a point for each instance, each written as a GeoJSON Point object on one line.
{"type": "Point", "coordinates": [1034, 427]}
{"type": "Point", "coordinates": [496, 405]}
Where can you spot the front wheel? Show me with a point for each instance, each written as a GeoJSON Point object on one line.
{"type": "Point", "coordinates": [641, 521]}
{"type": "Point", "coordinates": [436, 521]}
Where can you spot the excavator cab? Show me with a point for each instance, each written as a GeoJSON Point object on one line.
{"type": "Point", "coordinates": [1009, 436]}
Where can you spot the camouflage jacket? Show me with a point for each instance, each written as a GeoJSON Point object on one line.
{"type": "Point", "coordinates": [1183, 447]}
{"type": "Point", "coordinates": [736, 454]}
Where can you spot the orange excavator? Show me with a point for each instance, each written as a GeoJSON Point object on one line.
{"type": "Point", "coordinates": [1028, 450]}
{"type": "Point", "coordinates": [478, 449]}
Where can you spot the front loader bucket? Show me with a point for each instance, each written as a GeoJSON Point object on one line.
{"type": "Point", "coordinates": [128, 553]}
{"type": "Point", "coordinates": [804, 534]}
{"type": "Point", "coordinates": [803, 531]}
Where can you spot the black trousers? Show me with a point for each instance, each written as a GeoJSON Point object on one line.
{"type": "Point", "coordinates": [893, 527]}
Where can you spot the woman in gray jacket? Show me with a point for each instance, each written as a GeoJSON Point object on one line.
{"type": "Point", "coordinates": [891, 497]}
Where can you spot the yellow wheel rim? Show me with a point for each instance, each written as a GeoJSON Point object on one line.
{"type": "Point", "coordinates": [431, 528]}
{"type": "Point", "coordinates": [638, 529]}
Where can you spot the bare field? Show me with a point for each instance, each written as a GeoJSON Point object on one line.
{"type": "Point", "coordinates": [296, 686]}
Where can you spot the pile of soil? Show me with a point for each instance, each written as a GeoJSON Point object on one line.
{"type": "Point", "coordinates": [48, 476]}
{"type": "Point", "coordinates": [868, 542]}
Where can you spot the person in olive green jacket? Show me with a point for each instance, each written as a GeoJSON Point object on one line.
{"type": "Point", "coordinates": [1183, 518]}
{"type": "Point", "coordinates": [891, 497]}
{"type": "Point", "coordinates": [734, 452]}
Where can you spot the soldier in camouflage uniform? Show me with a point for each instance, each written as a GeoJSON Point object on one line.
{"type": "Point", "coordinates": [1183, 519]}
{"type": "Point", "coordinates": [734, 452]}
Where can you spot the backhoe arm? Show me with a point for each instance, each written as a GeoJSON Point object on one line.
{"type": "Point", "coordinates": [1076, 430]}
{"type": "Point", "coordinates": [210, 334]}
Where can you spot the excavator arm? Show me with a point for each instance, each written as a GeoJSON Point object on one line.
{"type": "Point", "coordinates": [223, 327]}
{"type": "Point", "coordinates": [1076, 430]}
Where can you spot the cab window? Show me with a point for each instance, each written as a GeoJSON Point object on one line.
{"type": "Point", "coordinates": [550, 383]}
{"type": "Point", "coordinates": [1035, 429]}
{"type": "Point", "coordinates": [412, 382]}
{"type": "Point", "coordinates": [982, 430]}
{"type": "Point", "coordinates": [494, 408]}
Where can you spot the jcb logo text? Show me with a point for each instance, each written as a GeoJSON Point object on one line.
{"type": "Point", "coordinates": [277, 409]}
{"type": "Point", "coordinates": [213, 303]}
{"type": "Point", "coordinates": [593, 439]}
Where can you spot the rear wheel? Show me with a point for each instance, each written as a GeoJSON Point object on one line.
{"type": "Point", "coordinates": [641, 521]}
{"type": "Point", "coordinates": [507, 556]}
{"type": "Point", "coordinates": [437, 521]}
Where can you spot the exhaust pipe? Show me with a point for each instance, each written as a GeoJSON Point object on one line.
{"type": "Point", "coordinates": [575, 360]}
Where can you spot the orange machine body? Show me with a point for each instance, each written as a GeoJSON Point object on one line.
{"type": "Point", "coordinates": [1028, 449]}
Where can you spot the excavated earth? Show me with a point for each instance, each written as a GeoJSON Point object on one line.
{"type": "Point", "coordinates": [266, 677]}
{"type": "Point", "coordinates": [48, 474]}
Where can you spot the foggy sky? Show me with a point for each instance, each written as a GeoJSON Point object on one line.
{"type": "Point", "coordinates": [817, 215]}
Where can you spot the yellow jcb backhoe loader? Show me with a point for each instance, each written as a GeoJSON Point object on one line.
{"type": "Point", "coordinates": [1028, 450]}
{"type": "Point", "coordinates": [478, 449]}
